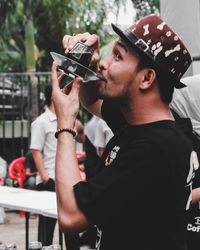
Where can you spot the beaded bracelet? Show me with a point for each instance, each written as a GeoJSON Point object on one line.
{"type": "Point", "coordinates": [71, 131]}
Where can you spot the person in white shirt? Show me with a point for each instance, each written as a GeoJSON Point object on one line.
{"type": "Point", "coordinates": [186, 101]}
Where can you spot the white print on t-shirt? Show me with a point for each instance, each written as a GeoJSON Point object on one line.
{"type": "Point", "coordinates": [112, 155]}
{"type": "Point", "coordinates": [194, 165]}
{"type": "Point", "coordinates": [98, 239]}
{"type": "Point", "coordinates": [196, 227]}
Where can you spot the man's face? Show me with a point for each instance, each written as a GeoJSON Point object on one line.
{"type": "Point", "coordinates": [120, 72]}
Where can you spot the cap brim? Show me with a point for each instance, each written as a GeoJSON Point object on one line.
{"type": "Point", "coordinates": [131, 40]}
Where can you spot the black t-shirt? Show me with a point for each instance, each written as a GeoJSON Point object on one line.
{"type": "Point", "coordinates": [193, 225]}
{"type": "Point", "coordinates": [92, 158]}
{"type": "Point", "coordinates": [139, 197]}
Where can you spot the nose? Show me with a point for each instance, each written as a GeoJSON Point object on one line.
{"type": "Point", "coordinates": [104, 63]}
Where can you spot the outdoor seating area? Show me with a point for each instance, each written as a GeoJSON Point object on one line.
{"type": "Point", "coordinates": [15, 199]}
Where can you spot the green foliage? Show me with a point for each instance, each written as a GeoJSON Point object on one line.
{"type": "Point", "coordinates": [11, 37]}
{"type": "Point", "coordinates": [156, 3]}
{"type": "Point", "coordinates": [66, 17]}
{"type": "Point", "coordinates": [146, 7]}
{"type": "Point", "coordinates": [51, 19]}
{"type": "Point", "coordinates": [11, 57]}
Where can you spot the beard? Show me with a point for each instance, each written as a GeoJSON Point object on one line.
{"type": "Point", "coordinates": [122, 99]}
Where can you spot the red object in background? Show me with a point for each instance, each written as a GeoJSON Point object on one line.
{"type": "Point", "coordinates": [16, 172]}
{"type": "Point", "coordinates": [80, 156]}
{"type": "Point", "coordinates": [1, 181]}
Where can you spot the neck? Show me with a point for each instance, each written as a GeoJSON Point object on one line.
{"type": "Point", "coordinates": [51, 107]}
{"type": "Point", "coordinates": [147, 112]}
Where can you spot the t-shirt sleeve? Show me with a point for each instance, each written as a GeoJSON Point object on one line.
{"type": "Point", "coordinates": [102, 135]}
{"type": "Point", "coordinates": [120, 187]}
{"type": "Point", "coordinates": [37, 135]}
{"type": "Point", "coordinates": [113, 116]}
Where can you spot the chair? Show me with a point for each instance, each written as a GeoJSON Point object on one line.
{"type": "Point", "coordinates": [16, 172]}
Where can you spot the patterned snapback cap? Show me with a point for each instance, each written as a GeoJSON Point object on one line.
{"type": "Point", "coordinates": [160, 43]}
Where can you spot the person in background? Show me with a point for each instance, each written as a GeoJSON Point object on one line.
{"type": "Point", "coordinates": [102, 136]}
{"type": "Point", "coordinates": [97, 135]}
{"type": "Point", "coordinates": [186, 101]}
{"type": "Point", "coordinates": [43, 148]}
{"type": "Point", "coordinates": [145, 173]}
{"type": "Point", "coordinates": [31, 171]}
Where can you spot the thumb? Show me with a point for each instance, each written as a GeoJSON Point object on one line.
{"type": "Point", "coordinates": [76, 85]}
{"type": "Point", "coordinates": [54, 77]}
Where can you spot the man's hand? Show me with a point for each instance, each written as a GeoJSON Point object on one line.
{"type": "Point", "coordinates": [87, 39]}
{"type": "Point", "coordinates": [66, 104]}
{"type": "Point", "coordinates": [82, 172]}
{"type": "Point", "coordinates": [45, 178]}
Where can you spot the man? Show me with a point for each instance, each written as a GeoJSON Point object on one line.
{"type": "Point", "coordinates": [140, 197]}
{"type": "Point", "coordinates": [43, 148]}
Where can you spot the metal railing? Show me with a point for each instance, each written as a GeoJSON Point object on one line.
{"type": "Point", "coordinates": [21, 101]}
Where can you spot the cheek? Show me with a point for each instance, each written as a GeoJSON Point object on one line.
{"type": "Point", "coordinates": [115, 73]}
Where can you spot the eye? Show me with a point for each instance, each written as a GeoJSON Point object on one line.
{"type": "Point", "coordinates": [117, 56]}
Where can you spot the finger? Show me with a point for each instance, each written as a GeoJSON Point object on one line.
{"type": "Point", "coordinates": [93, 41]}
{"type": "Point", "coordinates": [76, 85]}
{"type": "Point", "coordinates": [95, 57]}
{"type": "Point", "coordinates": [65, 41]}
{"type": "Point", "coordinates": [85, 36]}
{"type": "Point", "coordinates": [70, 41]}
{"type": "Point", "coordinates": [82, 167]}
{"type": "Point", "coordinates": [83, 176]}
{"type": "Point", "coordinates": [54, 77]}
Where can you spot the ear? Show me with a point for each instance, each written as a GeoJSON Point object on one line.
{"type": "Point", "coordinates": [148, 78]}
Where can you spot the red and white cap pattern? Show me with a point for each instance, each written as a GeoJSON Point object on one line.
{"type": "Point", "coordinates": [159, 42]}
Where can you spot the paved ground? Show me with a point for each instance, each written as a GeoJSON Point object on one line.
{"type": "Point", "coordinates": [13, 230]}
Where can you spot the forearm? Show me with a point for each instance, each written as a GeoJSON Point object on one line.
{"type": "Point", "coordinates": [38, 159]}
{"type": "Point", "coordinates": [70, 217]}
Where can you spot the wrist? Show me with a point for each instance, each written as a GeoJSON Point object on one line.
{"type": "Point", "coordinates": [65, 130]}
{"type": "Point", "coordinates": [44, 178]}
{"type": "Point", "coordinates": [66, 123]}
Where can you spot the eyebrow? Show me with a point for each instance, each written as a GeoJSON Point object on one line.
{"type": "Point", "coordinates": [122, 45]}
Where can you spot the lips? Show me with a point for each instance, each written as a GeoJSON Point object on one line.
{"type": "Point", "coordinates": [101, 77]}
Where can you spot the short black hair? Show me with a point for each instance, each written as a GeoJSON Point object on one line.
{"type": "Point", "coordinates": [48, 93]}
